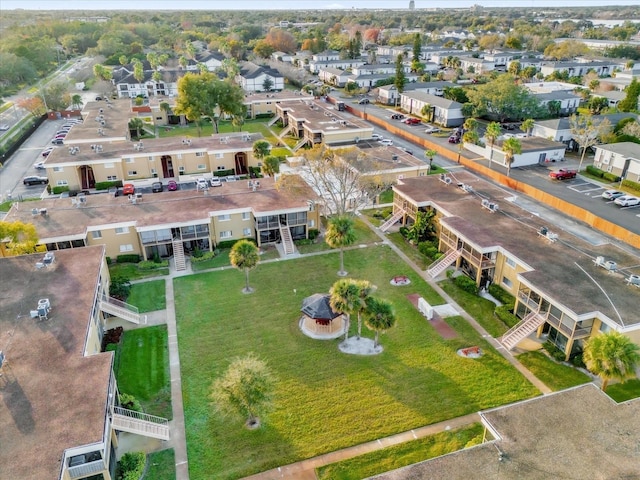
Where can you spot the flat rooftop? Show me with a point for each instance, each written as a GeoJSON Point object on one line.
{"type": "Point", "coordinates": [159, 209]}
{"type": "Point", "coordinates": [563, 271]}
{"type": "Point", "coordinates": [577, 433]}
{"type": "Point", "coordinates": [53, 398]}
{"type": "Point", "coordinates": [321, 116]}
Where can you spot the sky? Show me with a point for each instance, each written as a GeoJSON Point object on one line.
{"type": "Point", "coordinates": [288, 4]}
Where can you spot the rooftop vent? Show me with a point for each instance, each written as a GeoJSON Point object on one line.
{"type": "Point", "coordinates": [609, 265]}
{"type": "Point", "coordinates": [634, 280]}
{"type": "Point", "coordinates": [444, 178]}
{"type": "Point", "coordinates": [492, 207]}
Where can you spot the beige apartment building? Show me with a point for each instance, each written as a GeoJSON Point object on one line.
{"type": "Point", "coordinates": [565, 288]}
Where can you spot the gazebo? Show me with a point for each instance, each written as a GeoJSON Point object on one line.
{"type": "Point", "coordinates": [319, 320]}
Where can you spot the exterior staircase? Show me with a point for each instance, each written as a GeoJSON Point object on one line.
{"type": "Point", "coordinates": [178, 256]}
{"type": "Point", "coordinates": [300, 144]}
{"type": "Point", "coordinates": [441, 265]}
{"type": "Point", "coordinates": [141, 423]}
{"type": "Point", "coordinates": [122, 310]}
{"type": "Point", "coordinates": [522, 330]}
{"type": "Point", "coordinates": [389, 223]}
{"type": "Point", "coordinates": [287, 240]}
{"type": "Point", "coordinates": [273, 121]}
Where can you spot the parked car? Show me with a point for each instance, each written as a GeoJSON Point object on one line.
{"type": "Point", "coordinates": [45, 153]}
{"type": "Point", "coordinates": [98, 98]}
{"type": "Point", "coordinates": [202, 184]}
{"type": "Point", "coordinates": [410, 152]}
{"type": "Point", "coordinates": [39, 165]}
{"type": "Point", "coordinates": [563, 174]}
{"type": "Point", "coordinates": [363, 101]}
{"type": "Point", "coordinates": [58, 141]}
{"type": "Point", "coordinates": [412, 121]}
{"type": "Point", "coordinates": [215, 182]}
{"type": "Point", "coordinates": [376, 136]}
{"type": "Point", "coordinates": [35, 180]}
{"type": "Point", "coordinates": [431, 129]}
{"type": "Point", "coordinates": [114, 191]}
{"type": "Point", "coordinates": [128, 189]}
{"type": "Point", "coordinates": [627, 201]}
{"type": "Point", "coordinates": [612, 194]}
{"type": "Point", "coordinates": [156, 187]}
{"type": "Point", "coordinates": [386, 142]}
{"type": "Point", "coordinates": [4, 127]}
{"type": "Point", "coordinates": [172, 185]}
{"type": "Point", "coordinates": [397, 116]}
{"type": "Point", "coordinates": [454, 139]}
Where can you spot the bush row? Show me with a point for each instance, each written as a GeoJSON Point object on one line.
{"type": "Point", "coordinates": [128, 258]}
{"type": "Point", "coordinates": [465, 283]}
{"type": "Point", "coordinates": [631, 185]}
{"type": "Point", "coordinates": [231, 243]}
{"type": "Point", "coordinates": [152, 264]}
{"type": "Point", "coordinates": [203, 257]}
{"type": "Point", "coordinates": [107, 185]}
{"type": "Point", "coordinates": [502, 295]}
{"type": "Point", "coordinates": [596, 172]}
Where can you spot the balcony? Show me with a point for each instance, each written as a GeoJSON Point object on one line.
{"type": "Point", "coordinates": [575, 332]}
{"type": "Point", "coordinates": [86, 469]}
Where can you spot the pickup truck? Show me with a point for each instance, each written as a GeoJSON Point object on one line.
{"type": "Point", "coordinates": [563, 174]}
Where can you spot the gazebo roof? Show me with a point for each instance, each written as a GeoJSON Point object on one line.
{"type": "Point", "coordinates": [317, 306]}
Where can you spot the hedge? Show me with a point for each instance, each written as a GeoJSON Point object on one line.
{"type": "Point", "coordinates": [152, 265]}
{"type": "Point", "coordinates": [503, 312]}
{"type": "Point", "coordinates": [596, 172]}
{"type": "Point", "coordinates": [59, 190]}
{"type": "Point", "coordinates": [128, 258]}
{"type": "Point", "coordinates": [231, 243]}
{"type": "Point", "coordinates": [224, 173]}
{"type": "Point", "coordinates": [502, 295]}
{"type": "Point", "coordinates": [131, 466]}
{"type": "Point", "coordinates": [632, 185]}
{"type": "Point", "coordinates": [205, 256]}
{"type": "Point", "coordinates": [465, 283]}
{"type": "Point", "coordinates": [107, 185]}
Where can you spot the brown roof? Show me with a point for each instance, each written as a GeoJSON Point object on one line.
{"type": "Point", "coordinates": [578, 433]}
{"type": "Point", "coordinates": [53, 397]}
{"type": "Point", "coordinates": [564, 271]}
{"type": "Point", "coordinates": [159, 209]}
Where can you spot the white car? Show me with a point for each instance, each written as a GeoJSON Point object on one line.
{"type": "Point", "coordinates": [216, 182]}
{"type": "Point", "coordinates": [39, 165]}
{"type": "Point", "coordinates": [431, 130]}
{"type": "Point", "coordinates": [612, 194]}
{"type": "Point", "coordinates": [386, 142]}
{"type": "Point", "coordinates": [202, 184]}
{"type": "Point", "coordinates": [376, 136]}
{"type": "Point", "coordinates": [627, 201]}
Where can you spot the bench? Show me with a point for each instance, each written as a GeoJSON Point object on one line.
{"type": "Point", "coordinates": [471, 350]}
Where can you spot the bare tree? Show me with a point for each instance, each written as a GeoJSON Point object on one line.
{"type": "Point", "coordinates": [587, 132]}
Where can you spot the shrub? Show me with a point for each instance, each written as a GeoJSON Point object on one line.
{"type": "Point", "coordinates": [120, 287]}
{"type": "Point", "coordinates": [203, 257]}
{"type": "Point", "coordinates": [596, 172]}
{"type": "Point", "coordinates": [465, 283]}
{"type": "Point", "coordinates": [383, 213]}
{"type": "Point", "coordinates": [554, 351]}
{"type": "Point", "coordinates": [632, 185]}
{"type": "Point", "coordinates": [427, 249]}
{"type": "Point", "coordinates": [111, 347]}
{"type": "Point", "coordinates": [151, 265]}
{"type": "Point", "coordinates": [403, 231]}
{"type": "Point", "coordinates": [502, 295]}
{"type": "Point", "coordinates": [131, 466]}
{"type": "Point", "coordinates": [108, 259]}
{"type": "Point", "coordinates": [313, 233]}
{"type": "Point", "coordinates": [611, 177]}
{"type": "Point", "coordinates": [107, 185]}
{"type": "Point", "coordinates": [196, 253]}
{"type": "Point", "coordinates": [578, 361]}
{"type": "Point", "coordinates": [156, 258]}
{"type": "Point", "coordinates": [128, 258]}
{"type": "Point", "coordinates": [59, 190]}
{"type": "Point", "coordinates": [224, 173]}
{"type": "Point", "coordinates": [111, 337]}
{"type": "Point", "coordinates": [231, 243]}
{"type": "Point", "coordinates": [130, 402]}
{"type": "Point", "coordinates": [503, 312]}
{"type": "Point", "coordinates": [304, 241]}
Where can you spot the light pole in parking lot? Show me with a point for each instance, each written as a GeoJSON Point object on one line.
{"type": "Point", "coordinates": [459, 150]}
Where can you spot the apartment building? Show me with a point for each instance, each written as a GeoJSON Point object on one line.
{"type": "Point", "coordinates": [622, 159]}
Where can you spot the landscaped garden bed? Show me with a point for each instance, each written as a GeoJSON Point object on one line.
{"type": "Point", "coordinates": [324, 400]}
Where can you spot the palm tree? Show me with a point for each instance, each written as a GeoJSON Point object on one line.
{"type": "Point", "coordinates": [365, 289]}
{"type": "Point", "coordinates": [261, 149]}
{"type": "Point", "coordinates": [511, 147]}
{"type": "Point", "coordinates": [611, 356]}
{"type": "Point", "coordinates": [527, 126]}
{"type": "Point", "coordinates": [76, 101]}
{"type": "Point", "coordinates": [244, 256]}
{"type": "Point", "coordinates": [340, 234]}
{"type": "Point", "coordinates": [136, 124]}
{"type": "Point", "coordinates": [344, 297]}
{"type": "Point", "coordinates": [379, 317]}
{"type": "Point", "coordinates": [492, 133]}
{"type": "Point", "coordinates": [430, 154]}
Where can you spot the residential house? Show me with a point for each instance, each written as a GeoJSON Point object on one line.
{"type": "Point", "coordinates": [447, 113]}
{"type": "Point", "coordinates": [535, 151]}
{"type": "Point", "coordinates": [478, 66]}
{"type": "Point", "coordinates": [370, 81]}
{"type": "Point", "coordinates": [263, 104]}
{"type": "Point", "coordinates": [578, 69]}
{"type": "Point", "coordinates": [315, 66]}
{"type": "Point", "coordinates": [257, 78]}
{"type": "Point", "coordinates": [568, 101]}
{"type": "Point", "coordinates": [621, 159]}
{"type": "Point", "coordinates": [174, 223]}
{"type": "Point", "coordinates": [334, 76]}
{"type": "Point", "coordinates": [60, 415]}
{"type": "Point", "coordinates": [489, 240]}
{"type": "Point", "coordinates": [388, 94]}
{"type": "Point", "coordinates": [127, 86]}
{"type": "Point", "coordinates": [212, 60]}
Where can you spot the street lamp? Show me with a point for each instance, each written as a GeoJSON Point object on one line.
{"type": "Point", "coordinates": [459, 150]}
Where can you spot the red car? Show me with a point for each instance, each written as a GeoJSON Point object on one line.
{"type": "Point", "coordinates": [128, 189]}
{"type": "Point", "coordinates": [412, 121]}
{"type": "Point", "coordinates": [172, 185]}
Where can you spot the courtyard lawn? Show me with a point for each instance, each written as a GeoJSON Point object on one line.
{"type": "Point", "coordinates": [364, 236]}
{"type": "Point", "coordinates": [409, 250]}
{"type": "Point", "coordinates": [222, 259]}
{"type": "Point", "coordinates": [402, 455]}
{"type": "Point", "coordinates": [479, 308]}
{"type": "Point", "coordinates": [324, 400]}
{"type": "Point", "coordinates": [622, 392]}
{"type": "Point", "coordinates": [554, 375]}
{"type": "Point", "coordinates": [143, 368]}
{"type": "Point", "coordinates": [161, 465]}
{"type": "Point", "coordinates": [131, 271]}
{"type": "Point", "coordinates": [148, 296]}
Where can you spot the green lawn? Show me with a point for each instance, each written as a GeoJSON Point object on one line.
{"type": "Point", "coordinates": [402, 455]}
{"type": "Point", "coordinates": [132, 272]}
{"type": "Point", "coordinates": [148, 296]}
{"type": "Point", "coordinates": [554, 375]}
{"type": "Point", "coordinates": [479, 308]}
{"type": "Point", "coordinates": [143, 368]}
{"type": "Point", "coordinates": [409, 250]}
{"type": "Point", "coordinates": [622, 392]}
{"type": "Point", "coordinates": [222, 259]}
{"type": "Point", "coordinates": [161, 465]}
{"type": "Point", "coordinates": [324, 400]}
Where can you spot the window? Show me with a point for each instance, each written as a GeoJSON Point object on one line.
{"type": "Point", "coordinates": [62, 183]}
{"type": "Point", "coordinates": [219, 155]}
{"type": "Point", "coordinates": [132, 173]}
{"type": "Point", "coordinates": [604, 328]}
{"type": "Point", "coordinates": [312, 223]}
{"type": "Point", "coordinates": [226, 234]}
{"type": "Point", "coordinates": [221, 167]}
{"type": "Point", "coordinates": [224, 218]}
{"type": "Point", "coordinates": [151, 159]}
{"type": "Point", "coordinates": [179, 156]}
{"type": "Point", "coordinates": [202, 166]}
{"type": "Point", "coordinates": [246, 216]}
{"type": "Point", "coordinates": [109, 165]}
{"type": "Point", "coordinates": [122, 230]}
{"type": "Point", "coordinates": [181, 169]}
{"type": "Point", "coordinates": [96, 234]}
{"type": "Point", "coordinates": [128, 160]}
{"type": "Point", "coordinates": [126, 248]}
{"type": "Point", "coordinates": [246, 232]}
{"type": "Point", "coordinates": [507, 282]}
{"type": "Point", "coordinates": [154, 171]}
{"type": "Point", "coordinates": [58, 169]}
{"type": "Point", "coordinates": [511, 262]}
{"type": "Point", "coordinates": [112, 178]}
{"type": "Point", "coordinates": [199, 154]}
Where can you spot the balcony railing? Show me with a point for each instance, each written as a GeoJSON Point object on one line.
{"type": "Point", "coordinates": [575, 332]}
{"type": "Point", "coordinates": [91, 468]}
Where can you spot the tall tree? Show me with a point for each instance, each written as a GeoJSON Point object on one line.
{"type": "Point", "coordinates": [344, 298]}
{"type": "Point", "coordinates": [400, 79]}
{"type": "Point", "coordinates": [430, 154]}
{"type": "Point", "coordinates": [630, 101]}
{"type": "Point", "coordinates": [504, 99]}
{"type": "Point", "coordinates": [244, 256]}
{"type": "Point", "coordinates": [365, 289]}
{"type": "Point", "coordinates": [511, 147]}
{"type": "Point", "coordinates": [586, 131]}
{"type": "Point", "coordinates": [340, 234]}
{"type": "Point", "coordinates": [261, 149]}
{"type": "Point", "coordinates": [76, 101]}
{"type": "Point", "coordinates": [136, 124]}
{"type": "Point", "coordinates": [379, 317]}
{"type": "Point", "coordinates": [527, 126]}
{"type": "Point", "coordinates": [492, 133]}
{"type": "Point", "coordinates": [246, 389]}
{"type": "Point", "coordinates": [17, 238]}
{"type": "Point", "coordinates": [271, 165]}
{"type": "Point", "coordinates": [611, 356]}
